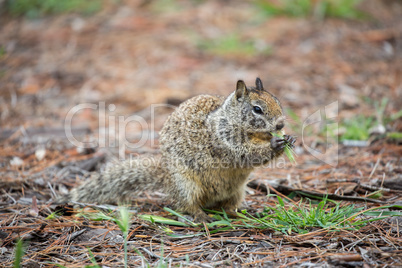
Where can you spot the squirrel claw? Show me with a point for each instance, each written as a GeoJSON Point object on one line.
{"type": "Point", "coordinates": [290, 140]}
{"type": "Point", "coordinates": [278, 143]}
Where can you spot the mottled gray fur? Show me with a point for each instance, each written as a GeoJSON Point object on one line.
{"type": "Point", "coordinates": [209, 146]}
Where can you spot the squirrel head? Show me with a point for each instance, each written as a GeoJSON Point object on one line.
{"type": "Point", "coordinates": [256, 111]}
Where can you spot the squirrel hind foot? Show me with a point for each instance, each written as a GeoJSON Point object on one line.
{"type": "Point", "coordinates": [200, 217]}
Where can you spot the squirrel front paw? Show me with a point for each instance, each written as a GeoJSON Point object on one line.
{"type": "Point", "coordinates": [290, 140]}
{"type": "Point", "coordinates": [279, 143]}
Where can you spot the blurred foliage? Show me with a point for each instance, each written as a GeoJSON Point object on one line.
{"type": "Point", "coordinates": [295, 122]}
{"type": "Point", "coordinates": [2, 51]}
{"type": "Point", "coordinates": [395, 137]}
{"type": "Point", "coordinates": [360, 126]}
{"type": "Point", "coordinates": [171, 6]}
{"type": "Point", "coordinates": [233, 45]}
{"type": "Point", "coordinates": [38, 8]}
{"type": "Point", "coordinates": [304, 8]}
{"type": "Point", "coordinates": [394, 116]}
{"type": "Point", "coordinates": [357, 128]}
{"type": "Point", "coordinates": [19, 253]}
{"type": "Point", "coordinates": [165, 6]}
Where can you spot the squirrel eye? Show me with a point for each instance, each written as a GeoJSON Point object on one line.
{"type": "Point", "coordinates": [257, 110]}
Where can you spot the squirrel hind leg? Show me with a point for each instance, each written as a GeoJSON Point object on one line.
{"type": "Point", "coordinates": [198, 215]}
{"type": "Point", "coordinates": [193, 210]}
{"type": "Point", "coordinates": [231, 204]}
{"type": "Point", "coordinates": [199, 218]}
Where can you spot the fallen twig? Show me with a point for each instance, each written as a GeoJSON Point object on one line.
{"type": "Point", "coordinates": [287, 190]}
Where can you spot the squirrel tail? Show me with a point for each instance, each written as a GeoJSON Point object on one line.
{"type": "Point", "coordinates": [120, 182]}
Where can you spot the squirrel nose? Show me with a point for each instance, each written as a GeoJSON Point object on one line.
{"type": "Point", "coordinates": [279, 125]}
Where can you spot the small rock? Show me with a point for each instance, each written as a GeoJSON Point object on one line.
{"type": "Point", "coordinates": [40, 154]}
{"type": "Point", "coordinates": [377, 130]}
{"type": "Point", "coordinates": [16, 161]}
{"type": "Point", "coordinates": [388, 49]}
{"type": "Point", "coordinates": [39, 181]}
{"type": "Point", "coordinates": [299, 150]}
{"type": "Point", "coordinates": [63, 189]}
{"type": "Point", "coordinates": [77, 24]}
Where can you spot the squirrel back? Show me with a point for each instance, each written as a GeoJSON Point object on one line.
{"type": "Point", "coordinates": [209, 146]}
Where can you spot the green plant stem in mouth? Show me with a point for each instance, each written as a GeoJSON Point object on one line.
{"type": "Point", "coordinates": [288, 150]}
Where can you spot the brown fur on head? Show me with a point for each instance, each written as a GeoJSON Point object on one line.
{"type": "Point", "coordinates": [259, 108]}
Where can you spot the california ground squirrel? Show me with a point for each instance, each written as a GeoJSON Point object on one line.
{"type": "Point", "coordinates": [209, 146]}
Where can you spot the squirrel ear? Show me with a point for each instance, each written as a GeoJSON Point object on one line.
{"type": "Point", "coordinates": [241, 89]}
{"type": "Point", "coordinates": [258, 84]}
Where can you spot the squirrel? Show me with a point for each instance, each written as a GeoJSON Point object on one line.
{"type": "Point", "coordinates": [209, 146]}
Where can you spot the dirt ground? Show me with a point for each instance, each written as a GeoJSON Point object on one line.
{"type": "Point", "coordinates": [141, 58]}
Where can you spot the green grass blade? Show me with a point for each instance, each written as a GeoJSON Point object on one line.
{"type": "Point", "coordinates": [180, 216]}
{"type": "Point", "coordinates": [383, 213]}
{"type": "Point", "coordinates": [159, 219]}
{"type": "Point", "coordinates": [19, 252]}
{"type": "Point", "coordinates": [92, 259]}
{"type": "Point", "coordinates": [280, 201]}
